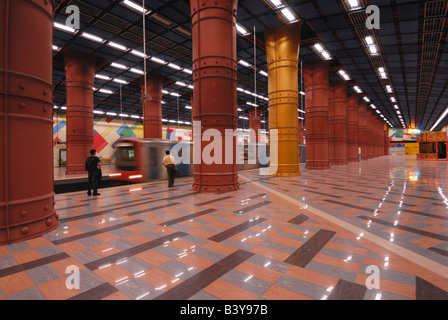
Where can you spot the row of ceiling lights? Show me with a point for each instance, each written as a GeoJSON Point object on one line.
{"type": "Point", "coordinates": [286, 12]}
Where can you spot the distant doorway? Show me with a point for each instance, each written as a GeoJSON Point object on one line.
{"type": "Point", "coordinates": [441, 150]}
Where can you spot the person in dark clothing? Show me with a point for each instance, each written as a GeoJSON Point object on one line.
{"type": "Point", "coordinates": [168, 162]}
{"type": "Point", "coordinates": [93, 167]}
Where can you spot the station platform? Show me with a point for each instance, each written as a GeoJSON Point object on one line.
{"type": "Point", "coordinates": [64, 183]}
{"type": "Point", "coordinates": [311, 237]}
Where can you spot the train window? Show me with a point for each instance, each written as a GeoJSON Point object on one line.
{"type": "Point", "coordinates": [126, 154]}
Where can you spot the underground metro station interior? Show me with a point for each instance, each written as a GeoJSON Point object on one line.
{"type": "Point", "coordinates": [313, 138]}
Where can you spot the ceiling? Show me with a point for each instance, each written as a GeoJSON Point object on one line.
{"type": "Point", "coordinates": [411, 42]}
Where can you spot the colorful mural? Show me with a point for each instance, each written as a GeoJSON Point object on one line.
{"type": "Point", "coordinates": [107, 132]}
{"type": "Point", "coordinates": [397, 134]}
{"type": "Point", "coordinates": [397, 148]}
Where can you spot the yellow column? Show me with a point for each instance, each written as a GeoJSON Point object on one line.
{"type": "Point", "coordinates": [282, 49]}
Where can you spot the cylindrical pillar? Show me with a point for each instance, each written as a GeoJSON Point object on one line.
{"type": "Point", "coordinates": [386, 140]}
{"type": "Point", "coordinates": [362, 129]}
{"type": "Point", "coordinates": [282, 50]}
{"type": "Point", "coordinates": [26, 123]}
{"type": "Point", "coordinates": [377, 137]}
{"type": "Point", "coordinates": [254, 124]}
{"type": "Point", "coordinates": [340, 122]}
{"type": "Point", "coordinates": [369, 138]}
{"type": "Point", "coordinates": [352, 127]}
{"type": "Point", "coordinates": [331, 128]}
{"type": "Point", "coordinates": [79, 79]}
{"type": "Point", "coordinates": [316, 78]}
{"type": "Point", "coordinates": [152, 110]}
{"type": "Point", "coordinates": [214, 94]}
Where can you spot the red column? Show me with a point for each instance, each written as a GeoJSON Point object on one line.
{"type": "Point", "coordinates": [152, 110]}
{"type": "Point", "coordinates": [254, 124]}
{"type": "Point", "coordinates": [316, 78]}
{"type": "Point", "coordinates": [79, 78]}
{"type": "Point", "coordinates": [301, 131]}
{"type": "Point", "coordinates": [386, 140]}
{"type": "Point", "coordinates": [369, 134]}
{"type": "Point", "coordinates": [340, 122]}
{"type": "Point", "coordinates": [331, 128]}
{"type": "Point", "coordinates": [352, 126]}
{"type": "Point", "coordinates": [378, 136]}
{"type": "Point", "coordinates": [26, 133]}
{"type": "Point", "coordinates": [362, 129]}
{"type": "Point", "coordinates": [215, 81]}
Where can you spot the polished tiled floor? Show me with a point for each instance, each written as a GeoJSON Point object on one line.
{"type": "Point", "coordinates": [307, 237]}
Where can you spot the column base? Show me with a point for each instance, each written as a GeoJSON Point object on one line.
{"type": "Point", "coordinates": [215, 189]}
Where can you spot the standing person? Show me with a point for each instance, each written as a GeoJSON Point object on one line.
{"type": "Point", "coordinates": [168, 162]}
{"type": "Point", "coordinates": [93, 167]}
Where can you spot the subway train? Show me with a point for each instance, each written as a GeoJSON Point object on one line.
{"type": "Point", "coordinates": [140, 160]}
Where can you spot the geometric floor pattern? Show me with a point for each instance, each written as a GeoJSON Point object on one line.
{"type": "Point", "coordinates": [148, 242]}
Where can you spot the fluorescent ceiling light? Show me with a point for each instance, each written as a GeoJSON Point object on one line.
{"type": "Point", "coordinates": [244, 63]}
{"type": "Point", "coordinates": [135, 117]}
{"type": "Point", "coordinates": [190, 86]}
{"type": "Point", "coordinates": [389, 89]}
{"type": "Point", "coordinates": [372, 106]}
{"type": "Point", "coordinates": [354, 4]}
{"type": "Point", "coordinates": [263, 73]}
{"type": "Point", "coordinates": [64, 108]}
{"type": "Point", "coordinates": [120, 81]}
{"type": "Point", "coordinates": [137, 71]}
{"type": "Point", "coordinates": [242, 30]}
{"type": "Point", "coordinates": [135, 7]}
{"type": "Point", "coordinates": [118, 66]}
{"type": "Point", "coordinates": [252, 104]}
{"type": "Point", "coordinates": [187, 71]}
{"type": "Point", "coordinates": [174, 66]}
{"type": "Point", "coordinates": [174, 94]}
{"type": "Point", "coordinates": [188, 107]}
{"type": "Point", "coordinates": [396, 106]}
{"type": "Point", "coordinates": [277, 3]}
{"type": "Point", "coordinates": [106, 91]}
{"type": "Point", "coordinates": [111, 114]}
{"type": "Point", "coordinates": [165, 92]}
{"type": "Point", "coordinates": [164, 120]}
{"type": "Point", "coordinates": [55, 107]}
{"type": "Point", "coordinates": [173, 121]}
{"type": "Point", "coordinates": [289, 15]}
{"type": "Point", "coordinates": [123, 115]}
{"type": "Point", "coordinates": [56, 48]}
{"type": "Point", "coordinates": [366, 99]}
{"type": "Point", "coordinates": [398, 112]}
{"type": "Point", "coordinates": [373, 50]}
{"type": "Point", "coordinates": [319, 47]}
{"type": "Point", "coordinates": [344, 74]}
{"type": "Point", "coordinates": [92, 37]}
{"type": "Point", "coordinates": [157, 60]}
{"type": "Point", "coordinates": [180, 122]}
{"type": "Point", "coordinates": [393, 99]}
{"type": "Point", "coordinates": [240, 109]}
{"type": "Point", "coordinates": [99, 76]}
{"type": "Point", "coordinates": [326, 55]}
{"type": "Point", "coordinates": [240, 89]}
{"type": "Point", "coordinates": [378, 111]}
{"type": "Point", "coordinates": [179, 83]}
{"type": "Point", "coordinates": [98, 112]}
{"type": "Point", "coordinates": [117, 46]}
{"type": "Point", "coordinates": [357, 89]}
{"type": "Point", "coordinates": [63, 27]}
{"type": "Point", "coordinates": [139, 54]}
{"type": "Point", "coordinates": [369, 40]}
